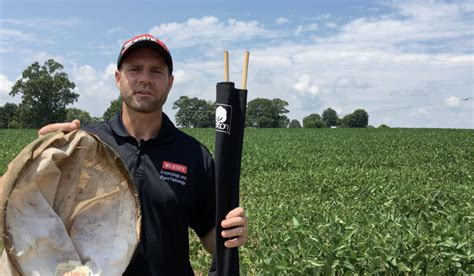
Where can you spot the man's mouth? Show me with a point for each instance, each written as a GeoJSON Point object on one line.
{"type": "Point", "coordinates": [143, 92]}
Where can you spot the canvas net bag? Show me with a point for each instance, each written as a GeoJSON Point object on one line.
{"type": "Point", "coordinates": [68, 206]}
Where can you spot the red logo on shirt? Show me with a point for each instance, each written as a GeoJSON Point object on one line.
{"type": "Point", "coordinates": [175, 167]}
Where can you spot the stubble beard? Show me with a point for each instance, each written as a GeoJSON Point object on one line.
{"type": "Point", "coordinates": [143, 107]}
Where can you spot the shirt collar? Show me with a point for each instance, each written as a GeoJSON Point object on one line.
{"type": "Point", "coordinates": [165, 135]}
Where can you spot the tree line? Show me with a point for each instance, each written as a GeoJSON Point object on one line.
{"type": "Point", "coordinates": [46, 91]}
{"type": "Point", "coordinates": [263, 113]}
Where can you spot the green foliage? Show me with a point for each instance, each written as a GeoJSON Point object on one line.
{"type": "Point", "coordinates": [114, 107]}
{"type": "Point", "coordinates": [83, 116]}
{"type": "Point", "coordinates": [8, 116]}
{"type": "Point", "coordinates": [359, 118]}
{"type": "Point", "coordinates": [266, 113]}
{"type": "Point", "coordinates": [313, 121]}
{"type": "Point", "coordinates": [346, 201]}
{"type": "Point", "coordinates": [294, 124]}
{"type": "Point", "coordinates": [330, 117]}
{"type": "Point", "coordinates": [384, 126]}
{"type": "Point", "coordinates": [12, 142]}
{"type": "Point", "coordinates": [345, 121]}
{"type": "Point", "coordinates": [194, 112]}
{"type": "Point", "coordinates": [355, 201]}
{"type": "Point", "coordinates": [45, 91]}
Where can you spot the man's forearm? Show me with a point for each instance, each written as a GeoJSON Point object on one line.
{"type": "Point", "coordinates": [208, 241]}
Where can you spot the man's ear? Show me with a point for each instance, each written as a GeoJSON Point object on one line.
{"type": "Point", "coordinates": [170, 81]}
{"type": "Point", "coordinates": [117, 78]}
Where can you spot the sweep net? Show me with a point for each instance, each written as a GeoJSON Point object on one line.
{"type": "Point", "coordinates": [67, 202]}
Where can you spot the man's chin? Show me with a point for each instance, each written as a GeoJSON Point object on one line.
{"type": "Point", "coordinates": [145, 108]}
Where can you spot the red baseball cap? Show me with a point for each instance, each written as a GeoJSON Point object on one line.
{"type": "Point", "coordinates": [145, 40]}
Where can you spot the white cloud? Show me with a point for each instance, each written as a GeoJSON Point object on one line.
{"type": "Point", "coordinates": [422, 111]}
{"type": "Point", "coordinates": [5, 88]}
{"type": "Point", "coordinates": [429, 10]}
{"type": "Point", "coordinates": [96, 88]}
{"type": "Point", "coordinates": [331, 25]}
{"type": "Point", "coordinates": [318, 18]}
{"type": "Point", "coordinates": [453, 101]}
{"type": "Point", "coordinates": [359, 66]}
{"type": "Point", "coordinates": [281, 21]}
{"type": "Point", "coordinates": [110, 71]}
{"type": "Point", "coordinates": [306, 85]}
{"type": "Point", "coordinates": [40, 56]}
{"type": "Point", "coordinates": [85, 74]}
{"type": "Point", "coordinates": [299, 30]}
{"type": "Point", "coordinates": [5, 85]}
{"type": "Point", "coordinates": [309, 28]}
{"type": "Point", "coordinates": [10, 36]}
{"type": "Point", "coordinates": [415, 26]}
{"type": "Point", "coordinates": [350, 82]}
{"type": "Point", "coordinates": [338, 109]}
{"type": "Point", "coordinates": [180, 77]}
{"type": "Point", "coordinates": [208, 30]}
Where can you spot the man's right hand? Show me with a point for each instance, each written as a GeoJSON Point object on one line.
{"type": "Point", "coordinates": [66, 127]}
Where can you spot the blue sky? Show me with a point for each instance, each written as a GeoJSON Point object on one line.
{"type": "Point", "coordinates": [408, 63]}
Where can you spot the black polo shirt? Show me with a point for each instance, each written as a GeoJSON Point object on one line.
{"type": "Point", "coordinates": [174, 176]}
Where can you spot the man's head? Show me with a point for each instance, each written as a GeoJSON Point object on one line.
{"type": "Point", "coordinates": [145, 40]}
{"type": "Point", "coordinates": [143, 74]}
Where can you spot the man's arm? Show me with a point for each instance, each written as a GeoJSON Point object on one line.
{"type": "Point", "coordinates": [235, 227]}
{"type": "Point", "coordinates": [209, 240]}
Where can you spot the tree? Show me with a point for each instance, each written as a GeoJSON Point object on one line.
{"type": "Point", "coordinates": [383, 126]}
{"type": "Point", "coordinates": [266, 113]}
{"type": "Point", "coordinates": [330, 117]}
{"type": "Point", "coordinates": [45, 91]}
{"type": "Point", "coordinates": [294, 124]}
{"type": "Point", "coordinates": [114, 107]}
{"type": "Point", "coordinates": [346, 121]}
{"type": "Point", "coordinates": [83, 116]}
{"type": "Point", "coordinates": [313, 121]}
{"type": "Point", "coordinates": [8, 114]}
{"type": "Point", "coordinates": [194, 112]}
{"type": "Point", "coordinates": [359, 118]}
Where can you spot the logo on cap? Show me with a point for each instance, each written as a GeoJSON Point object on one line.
{"type": "Point", "coordinates": [223, 118]}
{"type": "Point", "coordinates": [141, 38]}
{"type": "Point", "coordinates": [150, 41]}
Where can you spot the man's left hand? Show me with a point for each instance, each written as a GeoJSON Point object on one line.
{"type": "Point", "coordinates": [235, 227]}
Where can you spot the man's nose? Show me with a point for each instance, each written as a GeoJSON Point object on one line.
{"type": "Point", "coordinates": [146, 78]}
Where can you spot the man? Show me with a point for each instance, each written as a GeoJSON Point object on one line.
{"type": "Point", "coordinates": [173, 172]}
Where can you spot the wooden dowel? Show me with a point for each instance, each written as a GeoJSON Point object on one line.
{"type": "Point", "coordinates": [245, 70]}
{"type": "Point", "coordinates": [226, 66]}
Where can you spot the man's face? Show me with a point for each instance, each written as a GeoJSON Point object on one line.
{"type": "Point", "coordinates": [144, 80]}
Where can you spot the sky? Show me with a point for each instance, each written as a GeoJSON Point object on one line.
{"type": "Point", "coordinates": [407, 63]}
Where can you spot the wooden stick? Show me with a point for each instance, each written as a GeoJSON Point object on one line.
{"type": "Point", "coordinates": [226, 66]}
{"type": "Point", "coordinates": [245, 70]}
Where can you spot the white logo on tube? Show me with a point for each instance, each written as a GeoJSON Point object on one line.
{"type": "Point", "coordinates": [223, 118]}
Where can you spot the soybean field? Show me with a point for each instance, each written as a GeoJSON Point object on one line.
{"type": "Point", "coordinates": [335, 201]}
